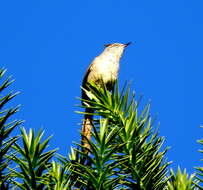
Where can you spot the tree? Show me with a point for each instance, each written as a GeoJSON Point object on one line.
{"type": "Point", "coordinates": [7, 125]}
{"type": "Point", "coordinates": [125, 150]}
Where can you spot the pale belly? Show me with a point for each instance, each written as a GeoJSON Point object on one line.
{"type": "Point", "coordinates": [104, 69]}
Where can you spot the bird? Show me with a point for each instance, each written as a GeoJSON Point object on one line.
{"type": "Point", "coordinates": [102, 70]}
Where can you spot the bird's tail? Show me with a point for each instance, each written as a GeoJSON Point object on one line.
{"type": "Point", "coordinates": [86, 130]}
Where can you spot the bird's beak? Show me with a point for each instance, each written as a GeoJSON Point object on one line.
{"type": "Point", "coordinates": [127, 44]}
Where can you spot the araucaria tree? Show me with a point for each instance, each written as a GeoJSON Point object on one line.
{"type": "Point", "coordinates": [125, 151]}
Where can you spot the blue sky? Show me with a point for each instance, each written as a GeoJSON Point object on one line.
{"type": "Point", "coordinates": [47, 46]}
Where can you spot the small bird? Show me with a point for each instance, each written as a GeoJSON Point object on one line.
{"type": "Point", "coordinates": [103, 70]}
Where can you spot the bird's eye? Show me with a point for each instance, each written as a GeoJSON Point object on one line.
{"type": "Point", "coordinates": [107, 45]}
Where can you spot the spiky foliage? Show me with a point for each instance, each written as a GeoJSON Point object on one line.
{"type": "Point", "coordinates": [32, 160]}
{"type": "Point", "coordinates": [181, 181]}
{"type": "Point", "coordinates": [199, 173]}
{"type": "Point", "coordinates": [7, 125]}
{"type": "Point", "coordinates": [125, 149]}
{"type": "Point", "coordinates": [57, 177]}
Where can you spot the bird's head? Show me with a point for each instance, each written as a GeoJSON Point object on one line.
{"type": "Point", "coordinates": [116, 48]}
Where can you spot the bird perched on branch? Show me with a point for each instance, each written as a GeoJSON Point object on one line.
{"type": "Point", "coordinates": [103, 70]}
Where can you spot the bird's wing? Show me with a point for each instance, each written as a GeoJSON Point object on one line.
{"type": "Point", "coordinates": [84, 82]}
{"type": "Point", "coordinates": [87, 74]}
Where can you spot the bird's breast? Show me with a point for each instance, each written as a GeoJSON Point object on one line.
{"type": "Point", "coordinates": [106, 68]}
